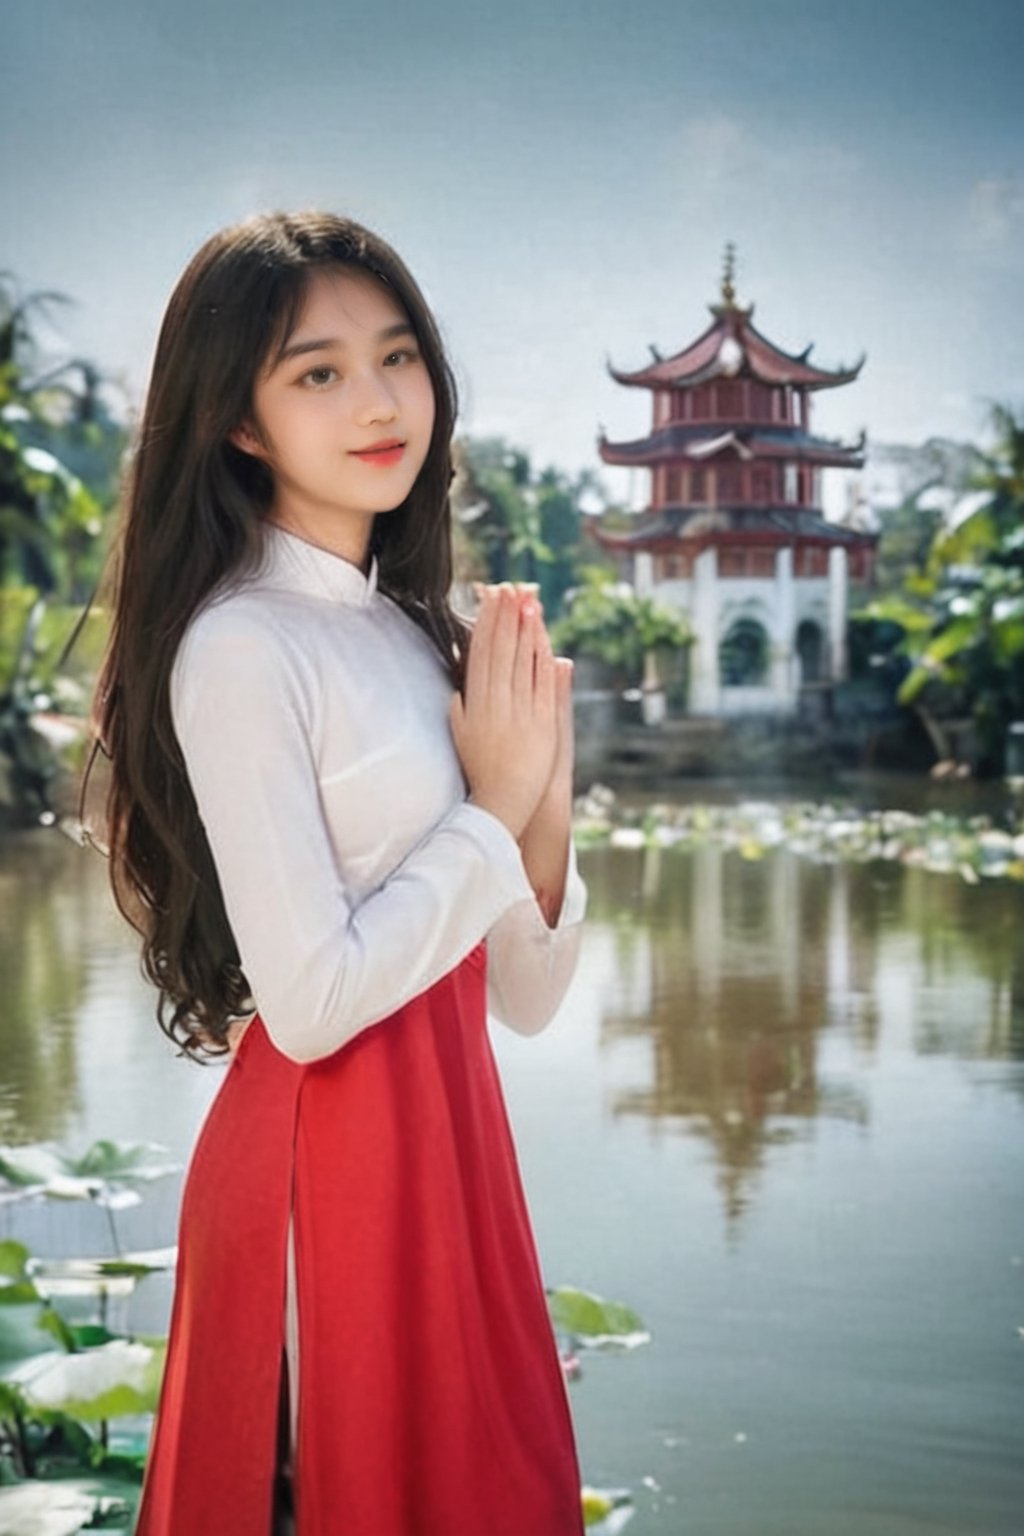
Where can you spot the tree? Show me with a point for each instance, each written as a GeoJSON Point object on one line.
{"type": "Point", "coordinates": [497, 508]}
{"type": "Point", "coordinates": [961, 612]}
{"type": "Point", "coordinates": [607, 619]}
{"type": "Point", "coordinates": [513, 525]}
{"type": "Point", "coordinates": [50, 520]}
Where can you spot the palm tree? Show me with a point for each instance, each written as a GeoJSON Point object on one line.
{"type": "Point", "coordinates": [50, 521]}
{"type": "Point", "coordinates": [962, 613]}
{"type": "Point", "coordinates": [497, 506]}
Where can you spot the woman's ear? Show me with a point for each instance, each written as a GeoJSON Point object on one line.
{"type": "Point", "coordinates": [244, 437]}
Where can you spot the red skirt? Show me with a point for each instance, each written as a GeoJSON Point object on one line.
{"type": "Point", "coordinates": [431, 1398]}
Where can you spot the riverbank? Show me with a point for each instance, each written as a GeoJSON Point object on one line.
{"type": "Point", "coordinates": [622, 751]}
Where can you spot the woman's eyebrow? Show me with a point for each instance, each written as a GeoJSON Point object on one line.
{"type": "Point", "coordinates": [326, 343]}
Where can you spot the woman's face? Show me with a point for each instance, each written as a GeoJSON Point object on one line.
{"type": "Point", "coordinates": [351, 374]}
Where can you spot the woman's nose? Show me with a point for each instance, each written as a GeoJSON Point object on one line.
{"type": "Point", "coordinates": [375, 400]}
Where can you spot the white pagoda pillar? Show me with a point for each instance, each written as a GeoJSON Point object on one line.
{"type": "Point", "coordinates": [704, 676]}
{"type": "Point", "coordinates": [838, 574]}
{"type": "Point", "coordinates": [785, 630]}
{"type": "Point", "coordinates": [643, 573]}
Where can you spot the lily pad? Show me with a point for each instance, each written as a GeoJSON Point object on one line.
{"type": "Point", "coordinates": [594, 1322]}
{"type": "Point", "coordinates": [100, 1173]}
{"type": "Point", "coordinates": [119, 1377]}
{"type": "Point", "coordinates": [65, 1506]}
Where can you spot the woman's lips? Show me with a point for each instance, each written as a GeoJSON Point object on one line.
{"type": "Point", "coordinates": [382, 455]}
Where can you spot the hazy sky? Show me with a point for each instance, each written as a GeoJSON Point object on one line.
{"type": "Point", "coordinates": [561, 178]}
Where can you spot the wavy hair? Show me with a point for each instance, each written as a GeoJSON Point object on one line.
{"type": "Point", "coordinates": [192, 511]}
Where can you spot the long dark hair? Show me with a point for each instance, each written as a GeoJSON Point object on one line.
{"type": "Point", "coordinates": [193, 510]}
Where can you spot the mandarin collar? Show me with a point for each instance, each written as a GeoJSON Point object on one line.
{"type": "Point", "coordinates": [292, 561]}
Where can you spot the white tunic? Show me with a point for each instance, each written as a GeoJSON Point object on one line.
{"type": "Point", "coordinates": [312, 714]}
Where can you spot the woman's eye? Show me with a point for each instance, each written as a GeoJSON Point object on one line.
{"type": "Point", "coordinates": [409, 352]}
{"type": "Point", "coordinates": [312, 375]}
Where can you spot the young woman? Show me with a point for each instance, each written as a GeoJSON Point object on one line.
{"type": "Point", "coordinates": [339, 816]}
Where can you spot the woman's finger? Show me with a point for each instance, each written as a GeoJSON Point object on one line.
{"type": "Point", "coordinates": [523, 683]}
{"type": "Point", "coordinates": [504, 642]}
{"type": "Point", "coordinates": [544, 693]}
{"type": "Point", "coordinates": [479, 661]}
{"type": "Point", "coordinates": [564, 671]}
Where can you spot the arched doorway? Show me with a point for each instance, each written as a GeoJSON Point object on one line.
{"type": "Point", "coordinates": [743, 655]}
{"type": "Point", "coordinates": [810, 648]}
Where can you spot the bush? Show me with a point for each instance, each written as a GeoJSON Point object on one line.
{"type": "Point", "coordinates": [608, 620]}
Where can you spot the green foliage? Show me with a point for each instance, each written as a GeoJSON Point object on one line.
{"type": "Point", "coordinates": [51, 518]}
{"type": "Point", "coordinates": [515, 525]}
{"type": "Point", "coordinates": [496, 506]}
{"type": "Point", "coordinates": [960, 613]}
{"type": "Point", "coordinates": [23, 1333]}
{"type": "Point", "coordinates": [107, 1165]}
{"type": "Point", "coordinates": [13, 1260]}
{"type": "Point", "coordinates": [55, 1379]}
{"type": "Point", "coordinates": [99, 1381]}
{"type": "Point", "coordinates": [608, 620]}
{"type": "Point", "coordinates": [592, 1320]}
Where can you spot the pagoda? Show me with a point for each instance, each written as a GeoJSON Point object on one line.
{"type": "Point", "coordinates": [734, 533]}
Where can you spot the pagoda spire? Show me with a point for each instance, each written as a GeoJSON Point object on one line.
{"type": "Point", "coordinates": [731, 344]}
{"type": "Point", "coordinates": [727, 309]}
{"type": "Point", "coordinates": [728, 273]}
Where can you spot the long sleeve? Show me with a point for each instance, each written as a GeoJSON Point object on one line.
{"type": "Point", "coordinates": [529, 964]}
{"type": "Point", "coordinates": [322, 964]}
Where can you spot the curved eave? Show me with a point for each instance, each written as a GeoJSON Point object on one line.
{"type": "Point", "coordinates": [666, 447]}
{"type": "Point", "coordinates": [793, 367]}
{"type": "Point", "coordinates": [803, 378]}
{"type": "Point", "coordinates": [699, 362]}
{"type": "Point", "coordinates": [658, 375]}
{"type": "Point", "coordinates": [706, 534]}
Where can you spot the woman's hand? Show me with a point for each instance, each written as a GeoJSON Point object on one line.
{"type": "Point", "coordinates": [506, 729]}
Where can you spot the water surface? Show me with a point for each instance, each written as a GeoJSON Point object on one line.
{"type": "Point", "coordinates": [781, 1114]}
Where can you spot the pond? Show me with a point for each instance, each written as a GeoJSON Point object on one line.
{"type": "Point", "coordinates": [780, 1114]}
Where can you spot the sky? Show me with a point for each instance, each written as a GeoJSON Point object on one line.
{"type": "Point", "coordinates": [561, 176]}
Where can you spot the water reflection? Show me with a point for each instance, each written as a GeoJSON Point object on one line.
{"type": "Point", "coordinates": [47, 906]}
{"type": "Point", "coordinates": [732, 970]}
{"type": "Point", "coordinates": [729, 968]}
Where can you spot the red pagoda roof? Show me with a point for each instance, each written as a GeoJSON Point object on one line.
{"type": "Point", "coordinates": [683, 443]}
{"type": "Point", "coordinates": [668, 528]}
{"type": "Point", "coordinates": [731, 347]}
